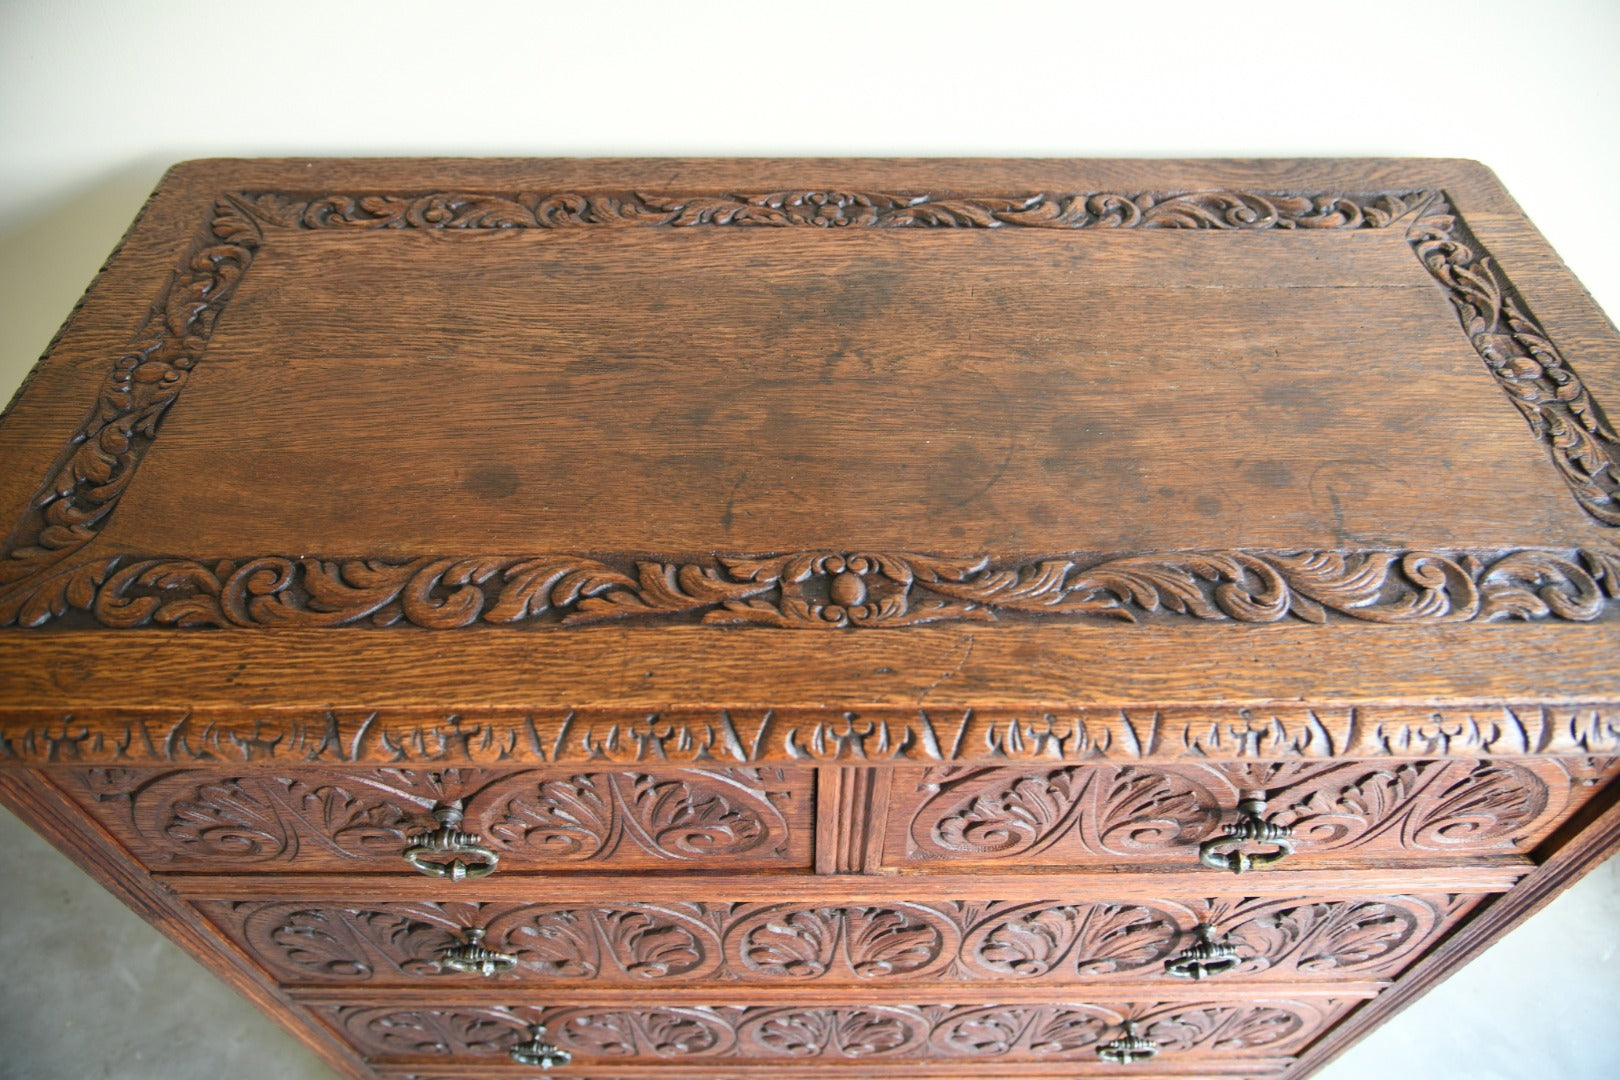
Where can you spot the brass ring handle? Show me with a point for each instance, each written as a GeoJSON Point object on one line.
{"type": "Point", "coordinates": [1129, 1047]}
{"type": "Point", "coordinates": [447, 852]}
{"type": "Point", "coordinates": [470, 957]}
{"type": "Point", "coordinates": [1204, 960]}
{"type": "Point", "coordinates": [538, 1052]}
{"type": "Point", "coordinates": [1226, 851]}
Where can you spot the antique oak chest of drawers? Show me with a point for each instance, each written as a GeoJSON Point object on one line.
{"type": "Point", "coordinates": [806, 618]}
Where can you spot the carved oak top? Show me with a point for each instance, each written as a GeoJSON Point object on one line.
{"type": "Point", "coordinates": [1117, 398]}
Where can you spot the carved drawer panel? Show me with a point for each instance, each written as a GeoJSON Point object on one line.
{"type": "Point", "coordinates": [272, 821]}
{"type": "Point", "coordinates": [1305, 939]}
{"type": "Point", "coordinates": [878, 1035]}
{"type": "Point", "coordinates": [1108, 815]}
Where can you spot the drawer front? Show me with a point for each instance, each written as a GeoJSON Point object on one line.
{"type": "Point", "coordinates": [1107, 815]}
{"type": "Point", "coordinates": [362, 821]}
{"type": "Point", "coordinates": [1298, 939]}
{"type": "Point", "coordinates": [1055, 1032]}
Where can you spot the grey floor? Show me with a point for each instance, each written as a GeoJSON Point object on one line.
{"type": "Point", "coordinates": [88, 990]}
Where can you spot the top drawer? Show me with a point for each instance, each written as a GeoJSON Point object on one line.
{"type": "Point", "coordinates": [1337, 811]}
{"type": "Point", "coordinates": [363, 820]}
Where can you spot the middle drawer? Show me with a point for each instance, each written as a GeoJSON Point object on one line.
{"type": "Point", "coordinates": [1286, 938]}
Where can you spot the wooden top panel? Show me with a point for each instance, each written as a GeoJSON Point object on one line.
{"type": "Point", "coordinates": [1044, 399]}
{"type": "Point", "coordinates": [761, 390]}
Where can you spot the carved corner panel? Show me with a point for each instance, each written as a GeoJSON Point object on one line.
{"type": "Point", "coordinates": [789, 1034]}
{"type": "Point", "coordinates": [1084, 815]}
{"type": "Point", "coordinates": [43, 578]}
{"type": "Point", "coordinates": [786, 944]}
{"type": "Point", "coordinates": [240, 820]}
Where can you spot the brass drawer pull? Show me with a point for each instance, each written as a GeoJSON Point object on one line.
{"type": "Point", "coordinates": [447, 852]}
{"type": "Point", "coordinates": [470, 957]}
{"type": "Point", "coordinates": [1129, 1047]}
{"type": "Point", "coordinates": [1226, 851]}
{"type": "Point", "coordinates": [1204, 960]}
{"type": "Point", "coordinates": [538, 1052]}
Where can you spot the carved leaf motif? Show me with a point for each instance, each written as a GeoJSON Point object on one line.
{"type": "Point", "coordinates": [1326, 818]}
{"type": "Point", "coordinates": [258, 819]}
{"type": "Point", "coordinates": [649, 1032]}
{"type": "Point", "coordinates": [683, 816]}
{"type": "Point", "coordinates": [555, 943]}
{"type": "Point", "coordinates": [1484, 809]}
{"type": "Point", "coordinates": [689, 821]}
{"type": "Point", "coordinates": [1095, 939]}
{"type": "Point", "coordinates": [648, 947]}
{"type": "Point", "coordinates": [798, 944]}
{"type": "Point", "coordinates": [676, 1033]}
{"type": "Point", "coordinates": [1064, 1031]}
{"type": "Point", "coordinates": [1148, 810]}
{"type": "Point", "coordinates": [1011, 817]}
{"type": "Point", "coordinates": [1030, 943]}
{"type": "Point", "coordinates": [889, 941]}
{"type": "Point", "coordinates": [876, 941]}
{"type": "Point", "coordinates": [1348, 936]}
{"type": "Point", "coordinates": [989, 1032]}
{"type": "Point", "coordinates": [348, 944]}
{"type": "Point", "coordinates": [1328, 936]}
{"type": "Point", "coordinates": [1223, 1028]}
{"type": "Point", "coordinates": [226, 820]}
{"type": "Point", "coordinates": [850, 1032]}
{"type": "Point", "coordinates": [436, 1033]}
{"type": "Point", "coordinates": [566, 820]}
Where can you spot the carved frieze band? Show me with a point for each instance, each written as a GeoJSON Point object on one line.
{"type": "Point", "coordinates": [827, 590]}
{"type": "Point", "coordinates": [630, 944]}
{"type": "Point", "coordinates": [794, 1033]}
{"type": "Point", "coordinates": [490, 736]}
{"type": "Point", "coordinates": [40, 582]}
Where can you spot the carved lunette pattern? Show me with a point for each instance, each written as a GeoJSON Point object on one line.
{"type": "Point", "coordinates": [38, 583]}
{"type": "Point", "coordinates": [633, 944]}
{"type": "Point", "coordinates": [1107, 813]}
{"type": "Point", "coordinates": [1038, 1032]}
{"type": "Point", "coordinates": [826, 590]}
{"type": "Point", "coordinates": [705, 739]}
{"type": "Point", "coordinates": [362, 820]}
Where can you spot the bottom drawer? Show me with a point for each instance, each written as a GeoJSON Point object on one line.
{"type": "Point", "coordinates": [1117, 1036]}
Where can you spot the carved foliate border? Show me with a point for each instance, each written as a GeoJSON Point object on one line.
{"type": "Point", "coordinates": [40, 583]}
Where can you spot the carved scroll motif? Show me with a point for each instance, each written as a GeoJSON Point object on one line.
{"type": "Point", "coordinates": [835, 209]}
{"type": "Point", "coordinates": [1525, 362]}
{"type": "Point", "coordinates": [835, 591]}
{"type": "Point", "coordinates": [41, 582]}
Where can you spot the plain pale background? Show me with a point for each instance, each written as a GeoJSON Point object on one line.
{"type": "Point", "coordinates": [96, 99]}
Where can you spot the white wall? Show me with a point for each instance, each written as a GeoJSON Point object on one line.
{"type": "Point", "coordinates": [95, 98]}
